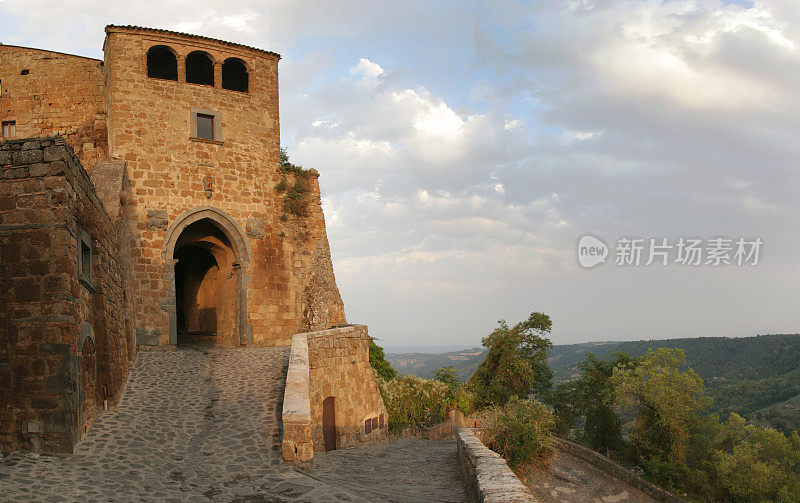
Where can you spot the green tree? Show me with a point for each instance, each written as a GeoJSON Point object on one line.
{"type": "Point", "coordinates": [377, 358]}
{"type": "Point", "coordinates": [592, 399]}
{"type": "Point", "coordinates": [457, 396]}
{"type": "Point", "coordinates": [667, 400]}
{"type": "Point", "coordinates": [756, 464]}
{"type": "Point", "coordinates": [566, 407]}
{"type": "Point", "coordinates": [602, 427]}
{"type": "Point", "coordinates": [447, 375]}
{"type": "Point", "coordinates": [516, 361]}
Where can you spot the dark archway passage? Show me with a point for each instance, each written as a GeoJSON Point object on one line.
{"type": "Point", "coordinates": [206, 285]}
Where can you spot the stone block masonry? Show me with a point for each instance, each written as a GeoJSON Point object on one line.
{"type": "Point", "coordinates": [486, 475]}
{"type": "Point", "coordinates": [331, 365]}
{"type": "Point", "coordinates": [49, 93]}
{"type": "Point", "coordinates": [284, 275]}
{"type": "Point", "coordinates": [167, 236]}
{"type": "Point", "coordinates": [63, 347]}
{"type": "Point", "coordinates": [339, 368]}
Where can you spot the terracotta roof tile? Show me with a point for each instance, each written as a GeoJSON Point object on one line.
{"type": "Point", "coordinates": [189, 35]}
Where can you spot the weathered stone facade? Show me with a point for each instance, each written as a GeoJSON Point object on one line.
{"type": "Point", "coordinates": [171, 180]}
{"type": "Point", "coordinates": [63, 342]}
{"type": "Point", "coordinates": [339, 368]}
{"type": "Point", "coordinates": [53, 94]}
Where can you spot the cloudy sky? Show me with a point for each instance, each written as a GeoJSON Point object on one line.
{"type": "Point", "coordinates": [465, 147]}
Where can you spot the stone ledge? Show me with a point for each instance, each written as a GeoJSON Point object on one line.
{"type": "Point", "coordinates": [487, 477]}
{"type": "Point", "coordinates": [296, 402]}
{"type": "Point", "coordinates": [357, 331]}
{"type": "Point", "coordinates": [297, 444]}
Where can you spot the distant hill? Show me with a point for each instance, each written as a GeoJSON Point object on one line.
{"type": "Point", "coordinates": [423, 364]}
{"type": "Point", "coordinates": [757, 377]}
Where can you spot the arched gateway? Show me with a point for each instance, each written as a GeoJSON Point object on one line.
{"type": "Point", "coordinates": [206, 257]}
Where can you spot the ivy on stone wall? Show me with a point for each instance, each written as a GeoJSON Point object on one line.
{"type": "Point", "coordinates": [295, 192]}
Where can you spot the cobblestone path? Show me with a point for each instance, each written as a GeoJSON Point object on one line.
{"type": "Point", "coordinates": [401, 471]}
{"type": "Point", "coordinates": [199, 424]}
{"type": "Point", "coordinates": [572, 480]}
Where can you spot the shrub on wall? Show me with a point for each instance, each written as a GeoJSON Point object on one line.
{"type": "Point", "coordinates": [377, 358]}
{"type": "Point", "coordinates": [414, 402]}
{"type": "Point", "coordinates": [520, 432]}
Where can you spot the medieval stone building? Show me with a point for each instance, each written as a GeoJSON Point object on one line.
{"type": "Point", "coordinates": [143, 203]}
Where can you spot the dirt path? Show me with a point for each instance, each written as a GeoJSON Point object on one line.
{"type": "Point", "coordinates": [571, 480]}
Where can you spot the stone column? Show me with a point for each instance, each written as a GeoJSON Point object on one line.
{"type": "Point", "coordinates": [181, 68]}
{"type": "Point", "coordinates": [217, 74]}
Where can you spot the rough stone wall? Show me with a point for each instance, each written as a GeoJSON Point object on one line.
{"type": "Point", "coordinates": [339, 367]}
{"type": "Point", "coordinates": [486, 475]}
{"type": "Point", "coordinates": [322, 304]}
{"type": "Point", "coordinates": [111, 185]}
{"type": "Point", "coordinates": [46, 197]}
{"type": "Point", "coordinates": [150, 122]}
{"type": "Point", "coordinates": [59, 95]}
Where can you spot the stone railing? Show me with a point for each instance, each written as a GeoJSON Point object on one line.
{"type": "Point", "coordinates": [615, 470]}
{"type": "Point", "coordinates": [487, 477]}
{"type": "Point", "coordinates": [297, 442]}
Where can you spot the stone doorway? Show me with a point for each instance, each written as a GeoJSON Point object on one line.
{"type": "Point", "coordinates": [207, 256]}
{"type": "Point", "coordinates": [206, 277]}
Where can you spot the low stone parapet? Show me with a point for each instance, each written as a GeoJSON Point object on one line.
{"type": "Point", "coordinates": [487, 477]}
{"type": "Point", "coordinates": [297, 442]}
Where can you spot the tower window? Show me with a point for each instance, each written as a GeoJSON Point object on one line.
{"type": "Point", "coordinates": [205, 125]}
{"type": "Point", "coordinates": [9, 129]}
{"type": "Point", "coordinates": [199, 69]}
{"type": "Point", "coordinates": [162, 63]}
{"type": "Point", "coordinates": [234, 75]}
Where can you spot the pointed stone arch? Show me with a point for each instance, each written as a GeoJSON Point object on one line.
{"type": "Point", "coordinates": [243, 257]}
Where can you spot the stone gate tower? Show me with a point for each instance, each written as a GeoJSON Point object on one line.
{"type": "Point", "coordinates": [143, 202]}
{"type": "Point", "coordinates": [217, 253]}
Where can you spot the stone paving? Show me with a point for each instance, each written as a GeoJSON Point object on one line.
{"type": "Point", "coordinates": [572, 480]}
{"type": "Point", "coordinates": [398, 471]}
{"type": "Point", "coordinates": [202, 424]}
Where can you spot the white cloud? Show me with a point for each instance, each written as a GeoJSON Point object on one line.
{"type": "Point", "coordinates": [457, 171]}
{"type": "Point", "coordinates": [367, 69]}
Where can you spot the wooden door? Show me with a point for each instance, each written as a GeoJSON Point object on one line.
{"type": "Point", "coordinates": [329, 424]}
